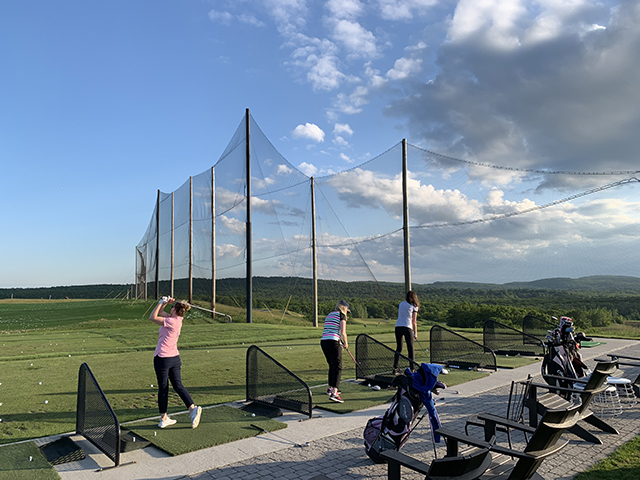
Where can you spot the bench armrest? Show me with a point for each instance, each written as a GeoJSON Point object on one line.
{"type": "Point", "coordinates": [569, 389]}
{"type": "Point", "coordinates": [393, 456]}
{"type": "Point", "coordinates": [566, 379]}
{"type": "Point", "coordinates": [488, 417]}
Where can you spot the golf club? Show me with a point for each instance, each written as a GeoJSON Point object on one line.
{"type": "Point", "coordinates": [210, 311]}
{"type": "Point", "coordinates": [166, 299]}
{"type": "Point", "coordinates": [300, 445]}
{"type": "Point", "coordinates": [425, 350]}
{"type": "Point", "coordinates": [350, 354]}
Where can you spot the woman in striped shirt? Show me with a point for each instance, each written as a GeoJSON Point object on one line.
{"type": "Point", "coordinates": [335, 332]}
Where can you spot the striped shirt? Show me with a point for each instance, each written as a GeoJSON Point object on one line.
{"type": "Point", "coordinates": [332, 326]}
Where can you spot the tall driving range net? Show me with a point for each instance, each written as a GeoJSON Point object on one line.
{"type": "Point", "coordinates": [95, 419]}
{"type": "Point", "coordinates": [506, 340]}
{"type": "Point", "coordinates": [454, 350]}
{"type": "Point", "coordinates": [270, 383]}
{"type": "Point", "coordinates": [470, 220]}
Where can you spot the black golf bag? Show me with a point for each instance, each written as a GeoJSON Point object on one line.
{"type": "Point", "coordinates": [563, 356]}
{"type": "Point", "coordinates": [391, 430]}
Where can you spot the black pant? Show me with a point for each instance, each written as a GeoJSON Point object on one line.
{"type": "Point", "coordinates": [333, 353]}
{"type": "Point", "coordinates": [407, 334]}
{"type": "Point", "coordinates": [168, 369]}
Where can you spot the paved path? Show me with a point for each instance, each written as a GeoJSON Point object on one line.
{"type": "Point", "coordinates": [335, 441]}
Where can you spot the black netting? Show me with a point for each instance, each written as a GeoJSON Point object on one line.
{"type": "Point", "coordinates": [95, 419]}
{"type": "Point", "coordinates": [506, 340]}
{"type": "Point", "coordinates": [452, 349]}
{"type": "Point", "coordinates": [269, 382]}
{"type": "Point", "coordinates": [375, 360]}
{"type": "Point", "coordinates": [536, 327]}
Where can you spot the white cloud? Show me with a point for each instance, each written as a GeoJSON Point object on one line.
{"type": "Point", "coordinates": [308, 169]}
{"type": "Point", "coordinates": [284, 169]}
{"type": "Point", "coordinates": [226, 18]}
{"type": "Point", "coordinates": [308, 131]}
{"type": "Point", "coordinates": [355, 38]}
{"type": "Point", "coordinates": [404, 68]}
{"type": "Point", "coordinates": [349, 9]}
{"type": "Point", "coordinates": [346, 158]}
{"type": "Point", "coordinates": [323, 73]}
{"type": "Point", "coordinates": [404, 9]}
{"type": "Point", "coordinates": [250, 20]}
{"type": "Point", "coordinates": [340, 141]}
{"type": "Point", "coordinates": [342, 129]}
{"type": "Point", "coordinates": [222, 17]}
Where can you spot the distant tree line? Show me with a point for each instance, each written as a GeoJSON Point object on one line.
{"type": "Point", "coordinates": [593, 302]}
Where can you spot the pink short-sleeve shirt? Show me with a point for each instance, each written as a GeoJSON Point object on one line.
{"type": "Point", "coordinates": [168, 337]}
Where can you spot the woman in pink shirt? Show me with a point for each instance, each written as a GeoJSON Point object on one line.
{"type": "Point", "coordinates": [166, 360]}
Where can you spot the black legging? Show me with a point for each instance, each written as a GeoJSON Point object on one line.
{"type": "Point", "coordinates": [168, 369]}
{"type": "Point", "coordinates": [333, 353]}
{"type": "Point", "coordinates": [407, 334]}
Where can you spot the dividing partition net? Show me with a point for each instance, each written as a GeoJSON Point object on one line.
{"type": "Point", "coordinates": [468, 221]}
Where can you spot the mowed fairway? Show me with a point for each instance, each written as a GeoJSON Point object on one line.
{"type": "Point", "coordinates": [38, 366]}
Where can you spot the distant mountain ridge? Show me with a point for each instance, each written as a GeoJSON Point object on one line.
{"type": "Point", "coordinates": [275, 286]}
{"type": "Point", "coordinates": [595, 282]}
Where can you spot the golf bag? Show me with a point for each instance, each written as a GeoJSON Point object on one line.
{"type": "Point", "coordinates": [391, 430]}
{"type": "Point", "coordinates": [563, 356]}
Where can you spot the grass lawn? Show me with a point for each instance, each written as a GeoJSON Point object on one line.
{"type": "Point", "coordinates": [43, 344]}
{"type": "Point", "coordinates": [623, 464]}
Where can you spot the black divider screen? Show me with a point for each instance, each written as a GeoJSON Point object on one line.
{"type": "Point", "coordinates": [376, 359]}
{"type": "Point", "coordinates": [271, 383]}
{"type": "Point", "coordinates": [95, 419]}
{"type": "Point", "coordinates": [536, 328]}
{"type": "Point", "coordinates": [506, 340]}
{"type": "Point", "coordinates": [454, 350]}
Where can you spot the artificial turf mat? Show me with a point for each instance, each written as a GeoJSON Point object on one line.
{"type": "Point", "coordinates": [218, 425]}
{"type": "Point", "coordinates": [355, 396]}
{"type": "Point", "coordinates": [591, 344]}
{"type": "Point", "coordinates": [25, 461]}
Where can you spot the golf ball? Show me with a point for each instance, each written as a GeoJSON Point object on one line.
{"type": "Point", "coordinates": [39, 383]}
{"type": "Point", "coordinates": [253, 414]}
{"type": "Point", "coordinates": [375, 387]}
{"type": "Point", "coordinates": [151, 385]}
{"type": "Point", "coordinates": [369, 385]}
{"type": "Point", "coordinates": [46, 401]}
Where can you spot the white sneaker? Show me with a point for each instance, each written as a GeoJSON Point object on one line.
{"type": "Point", "coordinates": [167, 422]}
{"type": "Point", "coordinates": [195, 416]}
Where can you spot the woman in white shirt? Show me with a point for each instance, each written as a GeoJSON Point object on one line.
{"type": "Point", "coordinates": [406, 326]}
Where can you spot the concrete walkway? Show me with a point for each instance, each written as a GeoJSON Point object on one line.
{"type": "Point", "coordinates": [335, 441]}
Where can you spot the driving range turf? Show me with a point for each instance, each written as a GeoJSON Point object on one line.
{"type": "Point", "coordinates": [39, 371]}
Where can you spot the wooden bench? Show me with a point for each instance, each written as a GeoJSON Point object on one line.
{"type": "Point", "coordinates": [538, 404]}
{"type": "Point", "coordinates": [488, 460]}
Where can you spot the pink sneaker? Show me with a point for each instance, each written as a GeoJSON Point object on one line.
{"type": "Point", "coordinates": [336, 398]}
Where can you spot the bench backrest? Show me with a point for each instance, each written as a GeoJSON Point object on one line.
{"type": "Point", "coordinates": [544, 439]}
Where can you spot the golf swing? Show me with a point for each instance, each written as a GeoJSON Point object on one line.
{"type": "Point", "coordinates": [201, 308]}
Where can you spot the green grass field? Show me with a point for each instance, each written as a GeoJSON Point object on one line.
{"type": "Point", "coordinates": [43, 344]}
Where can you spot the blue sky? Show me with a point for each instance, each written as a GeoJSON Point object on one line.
{"type": "Point", "coordinates": [104, 103]}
